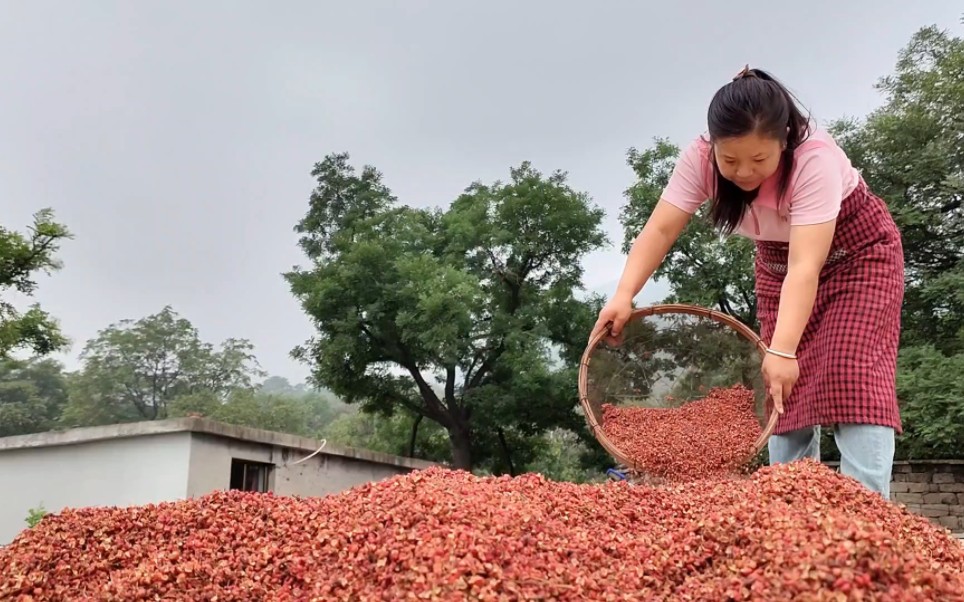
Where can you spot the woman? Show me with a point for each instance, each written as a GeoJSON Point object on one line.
{"type": "Point", "coordinates": [829, 270]}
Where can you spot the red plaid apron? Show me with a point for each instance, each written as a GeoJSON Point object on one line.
{"type": "Point", "coordinates": [848, 352]}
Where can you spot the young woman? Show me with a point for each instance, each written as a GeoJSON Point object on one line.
{"type": "Point", "coordinates": [829, 270]}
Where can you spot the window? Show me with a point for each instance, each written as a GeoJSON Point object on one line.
{"type": "Point", "coordinates": [249, 476]}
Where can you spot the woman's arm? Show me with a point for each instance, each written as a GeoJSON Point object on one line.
{"type": "Point", "coordinates": [809, 247]}
{"type": "Point", "coordinates": [817, 196]}
{"type": "Point", "coordinates": [651, 246]}
{"type": "Point", "coordinates": [680, 199]}
{"type": "Point", "coordinates": [683, 195]}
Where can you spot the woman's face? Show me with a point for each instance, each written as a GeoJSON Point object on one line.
{"type": "Point", "coordinates": [747, 160]}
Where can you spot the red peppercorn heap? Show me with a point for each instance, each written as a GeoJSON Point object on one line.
{"type": "Point", "coordinates": [789, 532]}
{"type": "Point", "coordinates": [707, 438]}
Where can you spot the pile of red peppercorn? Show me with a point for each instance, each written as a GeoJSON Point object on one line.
{"type": "Point", "coordinates": [711, 437]}
{"type": "Point", "coordinates": [789, 532]}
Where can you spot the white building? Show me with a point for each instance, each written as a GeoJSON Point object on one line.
{"type": "Point", "coordinates": [145, 462]}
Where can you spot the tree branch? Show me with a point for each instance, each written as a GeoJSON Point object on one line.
{"type": "Point", "coordinates": [695, 260]}
{"type": "Point", "coordinates": [433, 406]}
{"type": "Point", "coordinates": [139, 404]}
{"type": "Point", "coordinates": [432, 402]}
{"type": "Point", "coordinates": [487, 365]}
{"type": "Point", "coordinates": [468, 371]}
{"type": "Point", "coordinates": [746, 297]}
{"type": "Point", "coordinates": [415, 409]}
{"type": "Point", "coordinates": [724, 304]}
{"type": "Point", "coordinates": [496, 264]}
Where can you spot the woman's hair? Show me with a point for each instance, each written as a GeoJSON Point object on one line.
{"type": "Point", "coordinates": [754, 102]}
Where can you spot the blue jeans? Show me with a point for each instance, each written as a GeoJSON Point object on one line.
{"type": "Point", "coordinates": [866, 452]}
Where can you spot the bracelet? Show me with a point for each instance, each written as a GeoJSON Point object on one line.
{"type": "Point", "coordinates": [788, 356]}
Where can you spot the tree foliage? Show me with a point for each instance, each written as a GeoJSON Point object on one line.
{"type": "Point", "coordinates": [401, 434]}
{"type": "Point", "coordinates": [133, 370]}
{"type": "Point", "coordinates": [931, 387]}
{"type": "Point", "coordinates": [275, 405]}
{"type": "Point", "coordinates": [21, 257]}
{"type": "Point", "coordinates": [32, 395]}
{"type": "Point", "coordinates": [465, 316]}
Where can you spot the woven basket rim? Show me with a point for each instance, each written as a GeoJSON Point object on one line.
{"type": "Point", "coordinates": [658, 309]}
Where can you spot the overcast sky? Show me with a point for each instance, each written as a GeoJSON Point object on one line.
{"type": "Point", "coordinates": [175, 139]}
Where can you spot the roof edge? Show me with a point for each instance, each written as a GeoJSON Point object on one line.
{"type": "Point", "coordinates": [205, 426]}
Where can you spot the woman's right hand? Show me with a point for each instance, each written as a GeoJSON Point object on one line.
{"type": "Point", "coordinates": [617, 310]}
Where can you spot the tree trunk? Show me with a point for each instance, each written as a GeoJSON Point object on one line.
{"type": "Point", "coordinates": [411, 441]}
{"type": "Point", "coordinates": [461, 448]}
{"type": "Point", "coordinates": [506, 453]}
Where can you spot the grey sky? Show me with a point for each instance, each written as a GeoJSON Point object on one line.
{"type": "Point", "coordinates": [175, 138]}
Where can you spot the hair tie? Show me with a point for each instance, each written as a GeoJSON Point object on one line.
{"type": "Point", "coordinates": [744, 72]}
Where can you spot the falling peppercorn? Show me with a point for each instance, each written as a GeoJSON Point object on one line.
{"type": "Point", "coordinates": [710, 437]}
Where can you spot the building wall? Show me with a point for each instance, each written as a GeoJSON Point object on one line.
{"type": "Point", "coordinates": [210, 467]}
{"type": "Point", "coordinates": [932, 489]}
{"type": "Point", "coordinates": [112, 472]}
{"type": "Point", "coordinates": [210, 461]}
{"type": "Point", "coordinates": [323, 475]}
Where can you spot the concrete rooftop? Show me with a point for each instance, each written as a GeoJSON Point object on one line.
{"type": "Point", "coordinates": [205, 426]}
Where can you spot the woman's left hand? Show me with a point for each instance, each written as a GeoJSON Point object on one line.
{"type": "Point", "coordinates": [780, 374]}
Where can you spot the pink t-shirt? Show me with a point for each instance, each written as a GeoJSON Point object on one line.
{"type": "Point", "coordinates": [822, 177]}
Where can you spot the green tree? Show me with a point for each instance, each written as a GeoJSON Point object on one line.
{"type": "Point", "coordinates": [561, 457]}
{"type": "Point", "coordinates": [281, 385]}
{"type": "Point", "coordinates": [401, 434]}
{"type": "Point", "coordinates": [558, 454]}
{"type": "Point", "coordinates": [321, 406]}
{"type": "Point", "coordinates": [464, 316]}
{"type": "Point", "coordinates": [931, 387]}
{"type": "Point", "coordinates": [275, 405]}
{"type": "Point", "coordinates": [21, 257]}
{"type": "Point", "coordinates": [133, 370]}
{"type": "Point", "coordinates": [247, 407]}
{"type": "Point", "coordinates": [32, 395]}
